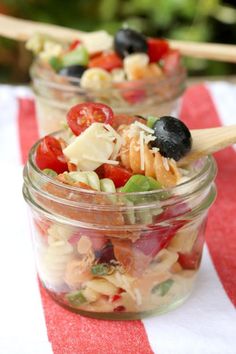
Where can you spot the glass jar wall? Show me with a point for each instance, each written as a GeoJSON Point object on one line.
{"type": "Point", "coordinates": [119, 255]}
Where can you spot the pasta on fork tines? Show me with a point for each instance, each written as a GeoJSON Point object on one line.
{"type": "Point", "coordinates": [136, 155]}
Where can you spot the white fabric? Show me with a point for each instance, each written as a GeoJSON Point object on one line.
{"type": "Point", "coordinates": [206, 323]}
{"type": "Point", "coordinates": [224, 97]}
{"type": "Point", "coordinates": [22, 324]}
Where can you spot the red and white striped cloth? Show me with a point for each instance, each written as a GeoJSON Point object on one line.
{"type": "Point", "coordinates": [31, 323]}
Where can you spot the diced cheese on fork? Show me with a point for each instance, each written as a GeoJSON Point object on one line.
{"type": "Point", "coordinates": [91, 148]}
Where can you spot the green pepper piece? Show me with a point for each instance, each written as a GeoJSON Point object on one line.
{"type": "Point", "coordinates": [163, 288]}
{"type": "Point", "coordinates": [76, 298]}
{"type": "Point", "coordinates": [136, 183]}
{"type": "Point", "coordinates": [100, 269]}
{"type": "Point", "coordinates": [78, 56]}
{"type": "Point", "coordinates": [153, 183]}
{"type": "Point", "coordinates": [151, 120]}
{"type": "Point", "coordinates": [55, 63]}
{"type": "Point", "coordinates": [49, 172]}
{"type": "Point", "coordinates": [140, 183]}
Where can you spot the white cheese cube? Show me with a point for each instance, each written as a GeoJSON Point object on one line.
{"type": "Point", "coordinates": [91, 148]}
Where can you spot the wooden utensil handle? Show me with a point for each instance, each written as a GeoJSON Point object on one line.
{"type": "Point", "coordinates": [208, 141]}
{"type": "Point", "coordinates": [22, 30]}
{"type": "Point", "coordinates": [212, 51]}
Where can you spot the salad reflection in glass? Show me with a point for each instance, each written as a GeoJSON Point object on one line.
{"type": "Point", "coordinates": [135, 75]}
{"type": "Point", "coordinates": [118, 227]}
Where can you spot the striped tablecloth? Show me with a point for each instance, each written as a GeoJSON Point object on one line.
{"type": "Point", "coordinates": [31, 323]}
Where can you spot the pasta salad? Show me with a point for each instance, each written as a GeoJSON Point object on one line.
{"type": "Point", "coordinates": [133, 251]}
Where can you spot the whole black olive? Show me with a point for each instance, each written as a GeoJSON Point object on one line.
{"type": "Point", "coordinates": [73, 71]}
{"type": "Point", "coordinates": [128, 41]}
{"type": "Point", "coordinates": [173, 138]}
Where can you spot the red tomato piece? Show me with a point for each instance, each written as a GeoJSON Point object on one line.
{"type": "Point", "coordinates": [171, 61]}
{"type": "Point", "coordinates": [174, 211]}
{"type": "Point", "coordinates": [189, 260]}
{"type": "Point", "coordinates": [132, 91]}
{"type": "Point", "coordinates": [119, 309]}
{"type": "Point", "coordinates": [74, 44]}
{"type": "Point", "coordinates": [81, 116]}
{"type": "Point", "coordinates": [152, 242]}
{"type": "Point", "coordinates": [115, 297]}
{"type": "Point", "coordinates": [106, 61]}
{"type": "Point", "coordinates": [134, 96]}
{"type": "Point", "coordinates": [49, 155]}
{"type": "Point", "coordinates": [156, 49]}
{"type": "Point", "coordinates": [192, 259]}
{"type": "Point", "coordinates": [119, 175]}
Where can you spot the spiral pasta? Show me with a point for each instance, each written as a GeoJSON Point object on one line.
{"type": "Point", "coordinates": [58, 232]}
{"type": "Point", "coordinates": [154, 165]}
{"type": "Point", "coordinates": [53, 261]}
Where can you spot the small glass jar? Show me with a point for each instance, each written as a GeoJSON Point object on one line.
{"type": "Point", "coordinates": [55, 95]}
{"type": "Point", "coordinates": [118, 255]}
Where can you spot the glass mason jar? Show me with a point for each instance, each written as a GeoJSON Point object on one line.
{"type": "Point", "coordinates": [119, 255]}
{"type": "Point", "coordinates": [55, 95]}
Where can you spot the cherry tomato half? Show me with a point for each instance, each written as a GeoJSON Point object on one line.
{"type": "Point", "coordinates": [156, 49]}
{"type": "Point", "coordinates": [106, 61]}
{"type": "Point", "coordinates": [119, 175]}
{"type": "Point", "coordinates": [81, 116]}
{"type": "Point", "coordinates": [49, 155]}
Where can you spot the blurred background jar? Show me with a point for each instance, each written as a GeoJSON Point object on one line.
{"type": "Point", "coordinates": [56, 94]}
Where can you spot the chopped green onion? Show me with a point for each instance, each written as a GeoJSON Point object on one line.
{"type": "Point", "coordinates": [78, 176]}
{"type": "Point", "coordinates": [107, 185]}
{"type": "Point", "coordinates": [163, 288]}
{"type": "Point", "coordinates": [49, 172]}
{"type": "Point", "coordinates": [76, 298]}
{"type": "Point", "coordinates": [100, 269]}
{"type": "Point", "coordinates": [93, 179]}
